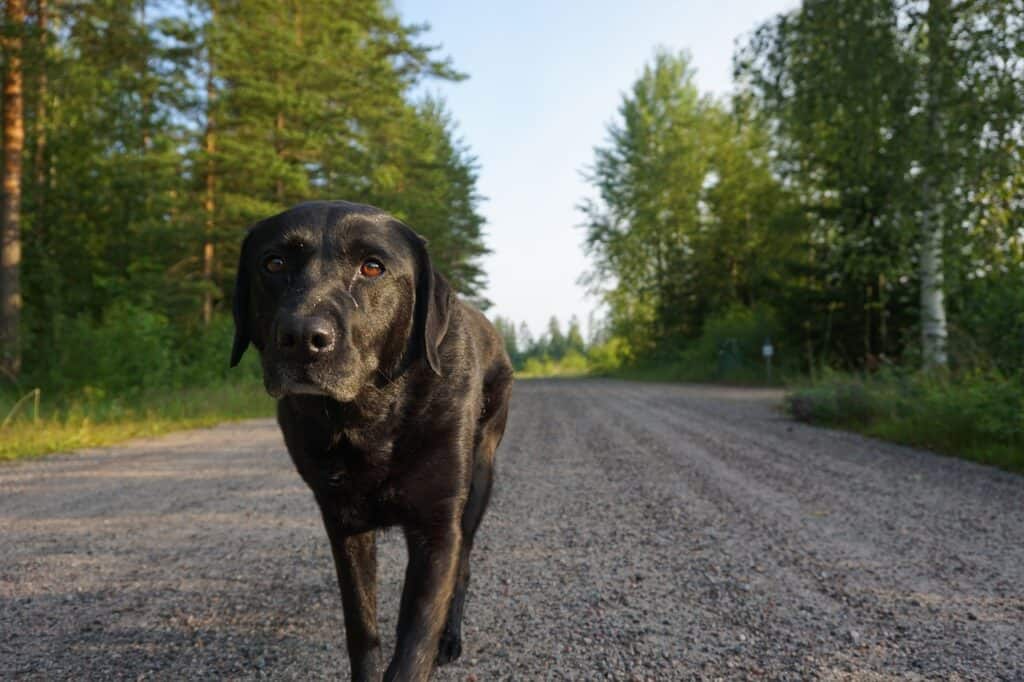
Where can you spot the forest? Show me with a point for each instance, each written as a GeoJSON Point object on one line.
{"type": "Point", "coordinates": [857, 204]}
{"type": "Point", "coordinates": [142, 138]}
{"type": "Point", "coordinates": [155, 133]}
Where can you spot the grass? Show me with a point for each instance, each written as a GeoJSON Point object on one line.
{"type": "Point", "coordinates": [978, 417]}
{"type": "Point", "coordinates": [94, 419]}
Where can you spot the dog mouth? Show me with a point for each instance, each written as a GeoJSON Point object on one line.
{"type": "Point", "coordinates": [287, 385]}
{"type": "Point", "coordinates": [296, 388]}
{"type": "Point", "coordinates": [285, 379]}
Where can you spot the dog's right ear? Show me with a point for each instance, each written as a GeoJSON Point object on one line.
{"type": "Point", "coordinates": [240, 306]}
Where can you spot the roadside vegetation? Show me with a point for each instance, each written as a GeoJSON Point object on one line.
{"type": "Point", "coordinates": [977, 416]}
{"type": "Point", "coordinates": [857, 205]}
{"type": "Point", "coordinates": [139, 144]}
{"type": "Point", "coordinates": [551, 354]}
{"type": "Point", "coordinates": [132, 374]}
{"type": "Point", "coordinates": [91, 419]}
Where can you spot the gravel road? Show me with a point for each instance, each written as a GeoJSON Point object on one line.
{"type": "Point", "coordinates": [637, 532]}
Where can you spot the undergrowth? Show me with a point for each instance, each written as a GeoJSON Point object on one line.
{"type": "Point", "coordinates": [130, 374]}
{"type": "Point", "coordinates": [93, 419]}
{"type": "Point", "coordinates": [978, 416]}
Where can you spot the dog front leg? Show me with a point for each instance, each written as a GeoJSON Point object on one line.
{"type": "Point", "coordinates": [429, 581]}
{"type": "Point", "coordinates": [355, 560]}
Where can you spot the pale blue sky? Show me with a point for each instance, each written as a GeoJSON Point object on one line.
{"type": "Point", "coordinates": [545, 78]}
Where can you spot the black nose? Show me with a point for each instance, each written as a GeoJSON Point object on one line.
{"type": "Point", "coordinates": [306, 337]}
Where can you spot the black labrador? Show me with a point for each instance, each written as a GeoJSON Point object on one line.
{"type": "Point", "coordinates": [392, 398]}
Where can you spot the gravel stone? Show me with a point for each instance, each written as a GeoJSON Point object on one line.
{"type": "Point", "coordinates": [637, 532]}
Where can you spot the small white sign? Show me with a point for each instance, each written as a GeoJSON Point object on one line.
{"type": "Point", "coordinates": [767, 349]}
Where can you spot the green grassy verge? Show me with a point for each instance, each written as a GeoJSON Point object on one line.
{"type": "Point", "coordinates": [978, 417]}
{"type": "Point", "coordinates": [93, 419]}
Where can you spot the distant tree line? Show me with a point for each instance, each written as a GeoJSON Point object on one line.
{"type": "Point", "coordinates": [551, 346]}
{"type": "Point", "coordinates": [142, 137]}
{"type": "Point", "coordinates": [860, 200]}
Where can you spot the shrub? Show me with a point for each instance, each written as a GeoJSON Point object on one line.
{"type": "Point", "coordinates": [130, 349]}
{"type": "Point", "coordinates": [979, 416]}
{"type": "Point", "coordinates": [608, 356]}
{"type": "Point", "coordinates": [573, 363]}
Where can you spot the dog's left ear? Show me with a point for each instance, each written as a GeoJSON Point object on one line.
{"type": "Point", "coordinates": [433, 304]}
{"type": "Point", "coordinates": [240, 307]}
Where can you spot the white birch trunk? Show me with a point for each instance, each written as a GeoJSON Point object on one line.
{"type": "Point", "coordinates": [933, 305]}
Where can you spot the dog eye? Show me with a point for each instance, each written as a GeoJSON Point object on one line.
{"type": "Point", "coordinates": [273, 264]}
{"type": "Point", "coordinates": [371, 268]}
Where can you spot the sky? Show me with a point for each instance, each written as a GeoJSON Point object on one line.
{"type": "Point", "coordinates": [545, 79]}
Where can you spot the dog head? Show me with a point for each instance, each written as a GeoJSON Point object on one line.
{"type": "Point", "coordinates": [336, 295]}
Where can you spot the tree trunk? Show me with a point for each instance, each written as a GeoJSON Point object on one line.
{"type": "Point", "coordinates": [209, 207]}
{"type": "Point", "coordinates": [42, 19]}
{"type": "Point", "coordinates": [10, 231]}
{"type": "Point", "coordinates": [933, 307]}
{"type": "Point", "coordinates": [883, 308]}
{"type": "Point", "coordinates": [209, 200]}
{"type": "Point", "coordinates": [279, 121]}
{"type": "Point", "coordinates": [867, 323]}
{"type": "Point", "coordinates": [145, 95]}
{"type": "Point", "coordinates": [279, 148]}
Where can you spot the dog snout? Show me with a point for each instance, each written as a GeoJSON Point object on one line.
{"type": "Point", "coordinates": [306, 337]}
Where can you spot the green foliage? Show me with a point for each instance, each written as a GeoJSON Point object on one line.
{"type": "Point", "coordinates": [129, 349]}
{"type": "Point", "coordinates": [93, 418]}
{"type": "Point", "coordinates": [557, 354]}
{"type": "Point", "coordinates": [857, 129]}
{"type": "Point", "coordinates": [690, 221]}
{"type": "Point", "coordinates": [979, 416]}
{"type": "Point", "coordinates": [860, 130]}
{"type": "Point", "coordinates": [132, 373]}
{"type": "Point", "coordinates": [572, 364]}
{"type": "Point", "coordinates": [574, 336]}
{"type": "Point", "coordinates": [432, 186]}
{"type": "Point", "coordinates": [607, 357]}
{"type": "Point", "coordinates": [166, 133]}
{"type": "Point", "coordinates": [133, 350]}
{"type": "Point", "coordinates": [893, 121]}
{"type": "Point", "coordinates": [556, 345]}
{"type": "Point", "coordinates": [728, 350]}
{"type": "Point", "coordinates": [729, 347]}
{"type": "Point", "coordinates": [156, 135]}
{"type": "Point", "coordinates": [989, 331]}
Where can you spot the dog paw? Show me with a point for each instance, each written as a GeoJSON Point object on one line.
{"type": "Point", "coordinates": [449, 649]}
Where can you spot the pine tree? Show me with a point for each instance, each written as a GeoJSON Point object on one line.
{"type": "Point", "coordinates": [10, 221]}
{"type": "Point", "coordinates": [155, 133]}
{"type": "Point", "coordinates": [556, 343]}
{"type": "Point", "coordinates": [574, 337]}
{"type": "Point", "coordinates": [431, 183]}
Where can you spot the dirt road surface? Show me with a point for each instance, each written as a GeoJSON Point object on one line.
{"type": "Point", "coordinates": [637, 532]}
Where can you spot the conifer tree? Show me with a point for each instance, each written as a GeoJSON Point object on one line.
{"type": "Point", "coordinates": [10, 217]}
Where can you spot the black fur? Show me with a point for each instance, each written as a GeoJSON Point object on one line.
{"type": "Point", "coordinates": [392, 398]}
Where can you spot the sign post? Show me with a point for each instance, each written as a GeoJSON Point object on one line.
{"type": "Point", "coordinates": [767, 351]}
